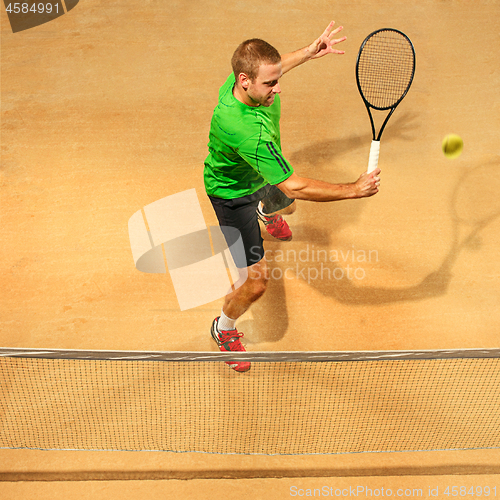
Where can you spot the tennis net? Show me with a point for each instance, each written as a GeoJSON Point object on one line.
{"type": "Point", "coordinates": [288, 403]}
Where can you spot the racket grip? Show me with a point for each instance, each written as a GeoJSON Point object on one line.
{"type": "Point", "coordinates": [373, 159]}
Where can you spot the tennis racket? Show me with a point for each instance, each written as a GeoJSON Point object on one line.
{"type": "Point", "coordinates": [384, 72]}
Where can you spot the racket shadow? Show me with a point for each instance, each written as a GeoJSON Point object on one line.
{"type": "Point", "coordinates": [475, 205]}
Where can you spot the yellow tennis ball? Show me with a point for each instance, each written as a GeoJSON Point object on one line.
{"type": "Point", "coordinates": [452, 146]}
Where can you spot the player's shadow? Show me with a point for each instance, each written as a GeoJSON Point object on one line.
{"type": "Point", "coordinates": [344, 289]}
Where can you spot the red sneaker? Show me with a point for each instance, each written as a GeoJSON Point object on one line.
{"type": "Point", "coordinates": [276, 226]}
{"type": "Point", "coordinates": [229, 341]}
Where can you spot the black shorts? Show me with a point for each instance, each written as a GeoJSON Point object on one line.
{"type": "Point", "coordinates": [241, 213]}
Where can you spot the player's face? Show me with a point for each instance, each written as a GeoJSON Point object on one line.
{"type": "Point", "coordinates": [263, 89]}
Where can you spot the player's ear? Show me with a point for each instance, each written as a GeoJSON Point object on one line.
{"type": "Point", "coordinates": [244, 80]}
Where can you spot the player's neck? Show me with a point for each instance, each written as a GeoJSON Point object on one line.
{"type": "Point", "coordinates": [243, 97]}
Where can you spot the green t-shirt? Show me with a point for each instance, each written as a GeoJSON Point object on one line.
{"type": "Point", "coordinates": [244, 147]}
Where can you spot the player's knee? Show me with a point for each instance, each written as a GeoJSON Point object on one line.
{"type": "Point", "coordinates": [259, 286]}
{"type": "Point", "coordinates": [258, 279]}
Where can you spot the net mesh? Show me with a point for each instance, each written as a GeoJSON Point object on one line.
{"type": "Point", "coordinates": [284, 407]}
{"type": "Point", "coordinates": [385, 68]}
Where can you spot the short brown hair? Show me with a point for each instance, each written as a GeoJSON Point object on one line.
{"type": "Point", "coordinates": [250, 54]}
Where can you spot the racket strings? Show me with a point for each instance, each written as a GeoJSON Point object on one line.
{"type": "Point", "coordinates": [385, 68]}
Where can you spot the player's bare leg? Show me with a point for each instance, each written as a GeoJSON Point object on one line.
{"type": "Point", "coordinates": [239, 300]}
{"type": "Point", "coordinates": [223, 329]}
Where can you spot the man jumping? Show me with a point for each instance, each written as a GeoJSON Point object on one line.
{"type": "Point", "coordinates": [247, 177]}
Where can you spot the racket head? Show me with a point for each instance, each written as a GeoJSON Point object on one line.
{"type": "Point", "coordinates": [385, 68]}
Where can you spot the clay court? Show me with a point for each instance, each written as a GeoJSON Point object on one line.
{"type": "Point", "coordinates": [107, 109]}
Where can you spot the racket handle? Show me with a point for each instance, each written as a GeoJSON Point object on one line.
{"type": "Point", "coordinates": [373, 159]}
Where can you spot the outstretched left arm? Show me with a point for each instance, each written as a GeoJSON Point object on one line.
{"type": "Point", "coordinates": [320, 47]}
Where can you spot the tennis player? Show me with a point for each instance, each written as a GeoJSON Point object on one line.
{"type": "Point", "coordinates": [247, 177]}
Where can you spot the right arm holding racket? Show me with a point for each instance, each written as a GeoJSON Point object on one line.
{"type": "Point", "coordinates": [303, 188]}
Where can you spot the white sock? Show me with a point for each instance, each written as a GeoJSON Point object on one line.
{"type": "Point", "coordinates": [225, 323]}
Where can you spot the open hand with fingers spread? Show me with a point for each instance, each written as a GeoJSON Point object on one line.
{"type": "Point", "coordinates": [324, 44]}
{"type": "Point", "coordinates": [319, 48]}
